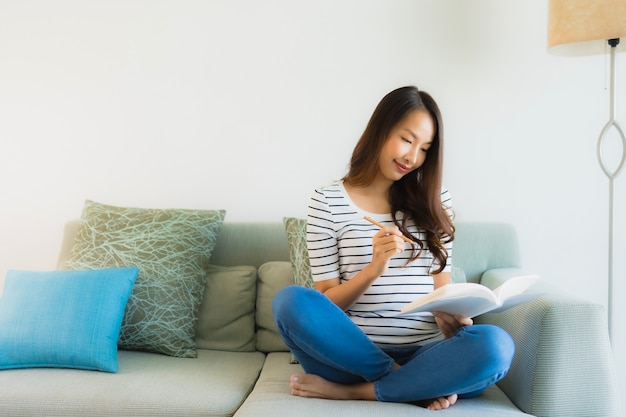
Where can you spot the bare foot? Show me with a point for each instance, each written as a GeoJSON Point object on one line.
{"type": "Point", "coordinates": [313, 386]}
{"type": "Point", "coordinates": [442, 402]}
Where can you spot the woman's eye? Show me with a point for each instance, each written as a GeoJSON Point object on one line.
{"type": "Point", "coordinates": [406, 140]}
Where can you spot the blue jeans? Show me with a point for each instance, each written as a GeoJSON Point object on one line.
{"type": "Point", "coordinates": [327, 343]}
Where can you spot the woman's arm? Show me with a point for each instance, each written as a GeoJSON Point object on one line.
{"type": "Point", "coordinates": [441, 279]}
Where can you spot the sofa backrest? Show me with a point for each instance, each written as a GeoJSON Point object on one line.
{"type": "Point", "coordinates": [263, 245]}
{"type": "Point", "coordinates": [479, 247]}
{"type": "Point", "coordinates": [245, 243]}
{"type": "Point", "coordinates": [250, 244]}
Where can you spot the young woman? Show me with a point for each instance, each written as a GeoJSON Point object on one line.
{"type": "Point", "coordinates": [346, 333]}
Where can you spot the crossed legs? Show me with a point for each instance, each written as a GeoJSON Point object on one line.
{"type": "Point", "coordinates": [341, 362]}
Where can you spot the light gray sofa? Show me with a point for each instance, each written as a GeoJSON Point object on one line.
{"type": "Point", "coordinates": [563, 364]}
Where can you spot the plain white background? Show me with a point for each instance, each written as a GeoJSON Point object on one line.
{"type": "Point", "coordinates": [248, 105]}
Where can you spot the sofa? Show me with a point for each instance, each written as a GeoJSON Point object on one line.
{"type": "Point", "coordinates": [562, 367]}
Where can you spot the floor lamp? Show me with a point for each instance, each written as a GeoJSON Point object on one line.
{"type": "Point", "coordinates": [580, 24]}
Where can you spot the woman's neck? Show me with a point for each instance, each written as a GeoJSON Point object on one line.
{"type": "Point", "coordinates": [373, 198]}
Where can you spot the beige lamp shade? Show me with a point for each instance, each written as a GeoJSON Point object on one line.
{"type": "Point", "coordinates": [573, 21]}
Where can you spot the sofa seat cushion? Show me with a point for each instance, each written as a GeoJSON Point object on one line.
{"type": "Point", "coordinates": [271, 397]}
{"type": "Point", "coordinates": [147, 384]}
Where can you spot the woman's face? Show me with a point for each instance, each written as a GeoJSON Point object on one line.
{"type": "Point", "coordinates": [406, 146]}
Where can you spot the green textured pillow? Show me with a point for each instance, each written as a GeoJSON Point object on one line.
{"type": "Point", "coordinates": [298, 252]}
{"type": "Point", "coordinates": [272, 276]}
{"type": "Point", "coordinates": [172, 248]}
{"type": "Point", "coordinates": [226, 320]}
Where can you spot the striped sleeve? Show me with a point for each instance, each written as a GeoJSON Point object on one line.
{"type": "Point", "coordinates": [322, 239]}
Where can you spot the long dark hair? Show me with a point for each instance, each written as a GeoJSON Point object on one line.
{"type": "Point", "coordinates": [418, 194]}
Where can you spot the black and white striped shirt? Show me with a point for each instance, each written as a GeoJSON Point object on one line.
{"type": "Point", "coordinates": [339, 242]}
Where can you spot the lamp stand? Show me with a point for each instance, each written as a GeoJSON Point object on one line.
{"type": "Point", "coordinates": [611, 176]}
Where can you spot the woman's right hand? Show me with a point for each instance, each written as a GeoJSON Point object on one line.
{"type": "Point", "coordinates": [387, 242]}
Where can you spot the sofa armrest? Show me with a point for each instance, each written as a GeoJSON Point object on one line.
{"type": "Point", "coordinates": [563, 365]}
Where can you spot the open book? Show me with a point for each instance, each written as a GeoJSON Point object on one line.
{"type": "Point", "coordinates": [470, 299]}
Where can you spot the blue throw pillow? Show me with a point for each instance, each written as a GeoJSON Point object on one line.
{"type": "Point", "coordinates": [63, 319]}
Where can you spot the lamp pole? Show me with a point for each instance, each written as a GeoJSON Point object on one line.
{"type": "Point", "coordinates": [611, 176]}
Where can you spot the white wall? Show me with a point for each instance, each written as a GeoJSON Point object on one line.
{"type": "Point", "coordinates": [214, 104]}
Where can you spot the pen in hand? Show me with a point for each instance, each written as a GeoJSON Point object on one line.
{"type": "Point", "coordinates": [406, 239]}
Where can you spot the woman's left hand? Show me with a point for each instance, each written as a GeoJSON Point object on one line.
{"type": "Point", "coordinates": [449, 324]}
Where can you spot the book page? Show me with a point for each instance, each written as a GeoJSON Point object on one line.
{"type": "Point", "coordinates": [463, 298]}
{"type": "Point", "coordinates": [514, 286]}
{"type": "Point", "coordinates": [472, 299]}
{"type": "Point", "coordinates": [514, 300]}
{"type": "Point", "coordinates": [465, 306]}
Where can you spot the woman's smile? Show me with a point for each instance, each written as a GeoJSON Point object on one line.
{"type": "Point", "coordinates": [403, 169]}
